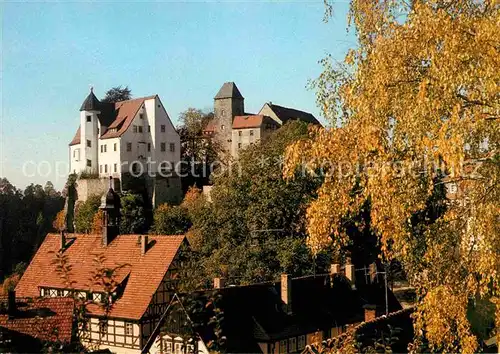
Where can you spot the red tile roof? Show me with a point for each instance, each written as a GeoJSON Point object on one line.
{"type": "Point", "coordinates": [76, 138]}
{"type": "Point", "coordinates": [242, 122]}
{"type": "Point", "coordinates": [143, 273]}
{"type": "Point", "coordinates": [48, 319]}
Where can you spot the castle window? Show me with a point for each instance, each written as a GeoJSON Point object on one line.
{"type": "Point", "coordinates": [251, 132]}
{"type": "Point", "coordinates": [89, 143]}
{"type": "Point", "coordinates": [239, 133]}
{"type": "Point", "coordinates": [222, 127]}
{"type": "Point", "coordinates": [105, 148]}
{"type": "Point", "coordinates": [114, 167]}
{"type": "Point", "coordinates": [172, 147]}
{"type": "Point", "coordinates": [134, 129]}
{"type": "Point", "coordinates": [162, 128]}
{"type": "Point", "coordinates": [114, 146]}
{"type": "Point", "coordinates": [89, 119]}
{"type": "Point", "coordinates": [129, 146]}
{"type": "Point", "coordinates": [89, 163]}
{"type": "Point", "coordinates": [100, 168]}
{"type": "Point", "coordinates": [102, 148]}
{"type": "Point", "coordinates": [103, 327]}
{"type": "Point", "coordinates": [105, 168]}
{"type": "Point", "coordinates": [140, 129]}
{"type": "Point", "coordinates": [239, 145]}
{"type": "Point", "coordinates": [149, 128]}
{"type": "Point", "coordinates": [222, 112]}
{"type": "Point", "coordinates": [162, 147]}
{"type": "Point", "coordinates": [149, 146]}
{"type": "Point", "coordinates": [129, 329]}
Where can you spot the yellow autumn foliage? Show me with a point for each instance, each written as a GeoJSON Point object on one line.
{"type": "Point", "coordinates": [414, 106]}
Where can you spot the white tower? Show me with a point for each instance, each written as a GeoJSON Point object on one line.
{"type": "Point", "coordinates": [89, 133]}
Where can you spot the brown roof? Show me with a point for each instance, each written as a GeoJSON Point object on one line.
{"type": "Point", "coordinates": [45, 319]}
{"type": "Point", "coordinates": [76, 138]}
{"type": "Point", "coordinates": [251, 121]}
{"type": "Point", "coordinates": [286, 114]}
{"type": "Point", "coordinates": [117, 117]}
{"type": "Point", "coordinates": [140, 274]}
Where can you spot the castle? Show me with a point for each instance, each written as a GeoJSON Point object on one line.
{"type": "Point", "coordinates": [235, 130]}
{"type": "Point", "coordinates": [126, 140]}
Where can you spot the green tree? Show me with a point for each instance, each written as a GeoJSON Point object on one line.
{"type": "Point", "coordinates": [254, 229]}
{"type": "Point", "coordinates": [117, 94]}
{"type": "Point", "coordinates": [171, 220]}
{"type": "Point", "coordinates": [133, 217]}
{"type": "Point", "coordinates": [84, 214]}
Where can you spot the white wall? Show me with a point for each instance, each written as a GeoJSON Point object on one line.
{"type": "Point", "coordinates": [88, 131]}
{"type": "Point", "coordinates": [75, 158]}
{"type": "Point", "coordinates": [109, 158]}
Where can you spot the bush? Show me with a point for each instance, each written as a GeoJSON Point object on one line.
{"type": "Point", "coordinates": [133, 218]}
{"type": "Point", "coordinates": [84, 215]}
{"type": "Point", "coordinates": [171, 220]}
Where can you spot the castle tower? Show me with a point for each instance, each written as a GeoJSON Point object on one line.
{"type": "Point", "coordinates": [228, 103]}
{"type": "Point", "coordinates": [89, 133]}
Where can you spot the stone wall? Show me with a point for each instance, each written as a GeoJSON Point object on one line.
{"type": "Point", "coordinates": [90, 186]}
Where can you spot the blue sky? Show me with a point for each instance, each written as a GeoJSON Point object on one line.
{"type": "Point", "coordinates": [184, 51]}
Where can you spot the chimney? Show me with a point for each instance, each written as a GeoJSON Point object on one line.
{"type": "Point", "coordinates": [62, 240]}
{"type": "Point", "coordinates": [11, 305]}
{"type": "Point", "coordinates": [373, 272]}
{"type": "Point", "coordinates": [334, 269]}
{"type": "Point", "coordinates": [370, 312]}
{"type": "Point", "coordinates": [144, 244]}
{"type": "Point", "coordinates": [349, 273]}
{"type": "Point", "coordinates": [286, 292]}
{"type": "Point", "coordinates": [219, 283]}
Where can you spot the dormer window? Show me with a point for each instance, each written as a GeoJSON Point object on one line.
{"type": "Point", "coordinates": [97, 297]}
{"type": "Point", "coordinates": [89, 119]}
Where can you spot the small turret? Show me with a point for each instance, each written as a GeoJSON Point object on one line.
{"type": "Point", "coordinates": [91, 103]}
{"type": "Point", "coordinates": [110, 206]}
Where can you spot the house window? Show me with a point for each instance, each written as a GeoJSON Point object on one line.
{"type": "Point", "coordinates": [172, 147]}
{"type": "Point", "coordinates": [129, 329]}
{"type": "Point", "coordinates": [105, 168]}
{"type": "Point", "coordinates": [452, 188]}
{"type": "Point", "coordinates": [251, 132]}
{"type": "Point", "coordinates": [97, 297]}
{"type": "Point", "coordinates": [162, 128]}
{"type": "Point", "coordinates": [283, 346]}
{"type": "Point", "coordinates": [102, 148]}
{"type": "Point", "coordinates": [114, 146]}
{"type": "Point", "coordinates": [167, 346]}
{"type": "Point", "coordinates": [239, 133]}
{"type": "Point", "coordinates": [89, 119]}
{"type": "Point", "coordinates": [149, 146]}
{"type": "Point", "coordinates": [301, 342]}
{"type": "Point", "coordinates": [129, 146]}
{"type": "Point", "coordinates": [178, 348]}
{"type": "Point", "coordinates": [140, 129]}
{"type": "Point", "coordinates": [141, 115]}
{"type": "Point", "coordinates": [292, 344]}
{"type": "Point", "coordinates": [114, 167]}
{"type": "Point", "coordinates": [162, 146]}
{"type": "Point", "coordinates": [103, 327]}
{"type": "Point", "coordinates": [134, 129]}
{"type": "Point", "coordinates": [149, 128]}
{"type": "Point", "coordinates": [89, 143]}
{"type": "Point", "coordinates": [89, 163]}
{"type": "Point", "coordinates": [105, 148]}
